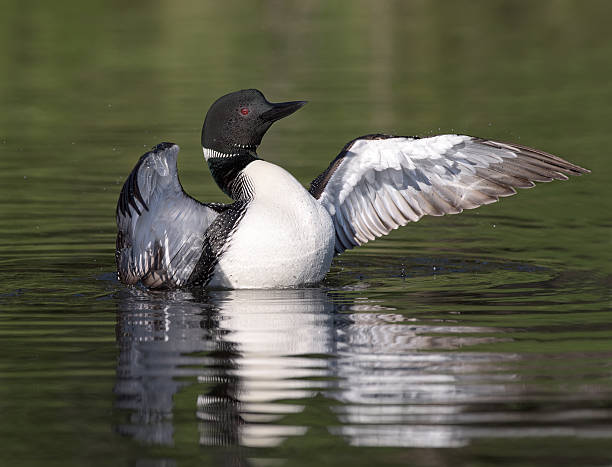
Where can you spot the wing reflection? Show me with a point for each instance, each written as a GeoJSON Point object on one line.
{"type": "Point", "coordinates": [156, 335]}
{"type": "Point", "coordinates": [400, 386]}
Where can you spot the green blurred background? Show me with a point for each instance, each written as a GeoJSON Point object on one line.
{"type": "Point", "coordinates": [87, 87]}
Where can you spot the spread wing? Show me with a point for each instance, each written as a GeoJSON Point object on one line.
{"type": "Point", "coordinates": [160, 228]}
{"type": "Point", "coordinates": [379, 182]}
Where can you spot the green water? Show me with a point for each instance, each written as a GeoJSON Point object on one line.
{"type": "Point", "coordinates": [478, 339]}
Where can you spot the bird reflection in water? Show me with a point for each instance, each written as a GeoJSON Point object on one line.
{"type": "Point", "coordinates": [259, 357]}
{"type": "Point", "coordinates": [247, 348]}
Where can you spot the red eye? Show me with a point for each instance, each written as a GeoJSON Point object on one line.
{"type": "Point", "coordinates": [244, 111]}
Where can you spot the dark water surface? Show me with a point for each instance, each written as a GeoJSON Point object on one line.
{"type": "Point", "coordinates": [479, 339]}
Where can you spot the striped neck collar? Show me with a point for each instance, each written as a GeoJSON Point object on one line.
{"type": "Point", "coordinates": [226, 168]}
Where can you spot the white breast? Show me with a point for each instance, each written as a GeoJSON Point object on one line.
{"type": "Point", "coordinates": [285, 239]}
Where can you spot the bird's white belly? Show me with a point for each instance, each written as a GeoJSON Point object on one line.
{"type": "Point", "coordinates": [284, 240]}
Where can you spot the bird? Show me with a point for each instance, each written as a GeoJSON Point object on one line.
{"type": "Point", "coordinates": [278, 234]}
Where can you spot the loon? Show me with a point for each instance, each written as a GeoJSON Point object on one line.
{"type": "Point", "coordinates": [276, 233]}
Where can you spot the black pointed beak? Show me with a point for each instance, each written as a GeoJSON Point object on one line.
{"type": "Point", "coordinates": [280, 110]}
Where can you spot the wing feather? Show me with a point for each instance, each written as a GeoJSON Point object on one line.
{"type": "Point", "coordinates": [379, 182]}
{"type": "Point", "coordinates": [394, 212]}
{"type": "Point", "coordinates": [160, 228]}
{"type": "Point", "coordinates": [342, 237]}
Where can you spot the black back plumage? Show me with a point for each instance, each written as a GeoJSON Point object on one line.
{"type": "Point", "coordinates": [217, 240]}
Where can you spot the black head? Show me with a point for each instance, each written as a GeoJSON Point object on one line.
{"type": "Point", "coordinates": [240, 119]}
